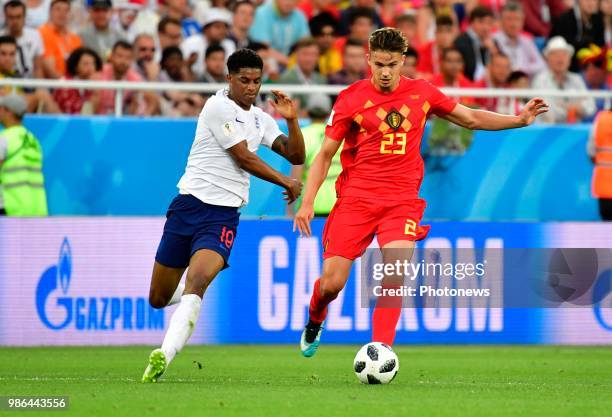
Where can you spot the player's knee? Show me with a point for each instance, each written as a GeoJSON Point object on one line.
{"type": "Point", "coordinates": [157, 300]}
{"type": "Point", "coordinates": [329, 289]}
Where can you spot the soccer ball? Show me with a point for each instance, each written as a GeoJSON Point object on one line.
{"type": "Point", "coordinates": [376, 363]}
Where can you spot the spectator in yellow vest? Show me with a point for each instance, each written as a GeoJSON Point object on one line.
{"type": "Point", "coordinates": [22, 187]}
{"type": "Point", "coordinates": [318, 107]}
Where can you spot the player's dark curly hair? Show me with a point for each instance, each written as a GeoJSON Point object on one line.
{"type": "Point", "coordinates": [243, 58]}
{"type": "Point", "coordinates": [389, 40]}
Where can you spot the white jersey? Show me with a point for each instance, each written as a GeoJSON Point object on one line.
{"type": "Point", "coordinates": [211, 174]}
{"type": "Point", "coordinates": [29, 46]}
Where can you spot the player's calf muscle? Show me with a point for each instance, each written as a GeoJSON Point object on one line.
{"type": "Point", "coordinates": [157, 299]}
{"type": "Point", "coordinates": [164, 281]}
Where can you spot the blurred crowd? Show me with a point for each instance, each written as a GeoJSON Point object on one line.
{"type": "Point", "coordinates": [548, 44]}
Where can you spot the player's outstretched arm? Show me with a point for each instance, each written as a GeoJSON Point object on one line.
{"type": "Point", "coordinates": [252, 164]}
{"type": "Point", "coordinates": [316, 176]}
{"type": "Point", "coordinates": [291, 148]}
{"type": "Point", "coordinates": [487, 120]}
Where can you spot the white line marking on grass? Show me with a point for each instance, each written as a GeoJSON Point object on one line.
{"type": "Point", "coordinates": [81, 379]}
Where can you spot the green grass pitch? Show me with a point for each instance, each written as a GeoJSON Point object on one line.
{"type": "Point", "coordinates": [277, 381]}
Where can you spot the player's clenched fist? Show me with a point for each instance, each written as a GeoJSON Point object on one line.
{"type": "Point", "coordinates": [302, 220]}
{"type": "Point", "coordinates": [293, 189]}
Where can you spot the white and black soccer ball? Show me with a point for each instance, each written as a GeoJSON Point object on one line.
{"type": "Point", "coordinates": [376, 363]}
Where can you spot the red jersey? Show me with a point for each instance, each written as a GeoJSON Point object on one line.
{"type": "Point", "coordinates": [382, 134]}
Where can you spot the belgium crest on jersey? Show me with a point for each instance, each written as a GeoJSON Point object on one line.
{"type": "Point", "coordinates": [394, 119]}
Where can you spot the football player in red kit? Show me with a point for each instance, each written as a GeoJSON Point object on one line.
{"type": "Point", "coordinates": [381, 121]}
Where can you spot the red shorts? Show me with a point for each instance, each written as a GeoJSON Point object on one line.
{"type": "Point", "coordinates": [353, 223]}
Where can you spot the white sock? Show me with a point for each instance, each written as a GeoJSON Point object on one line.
{"type": "Point", "coordinates": [181, 326]}
{"type": "Point", "coordinates": [176, 297]}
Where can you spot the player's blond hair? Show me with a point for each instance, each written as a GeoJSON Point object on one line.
{"type": "Point", "coordinates": [389, 40]}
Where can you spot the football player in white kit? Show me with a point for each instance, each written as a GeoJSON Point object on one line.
{"type": "Point", "coordinates": [201, 221]}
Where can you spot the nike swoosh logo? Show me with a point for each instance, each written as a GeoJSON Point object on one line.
{"type": "Point", "coordinates": [239, 121]}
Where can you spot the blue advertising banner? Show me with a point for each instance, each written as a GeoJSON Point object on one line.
{"type": "Point", "coordinates": [73, 281]}
{"type": "Point", "coordinates": [130, 166]}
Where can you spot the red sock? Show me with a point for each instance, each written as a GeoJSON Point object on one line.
{"type": "Point", "coordinates": [318, 304]}
{"type": "Point", "coordinates": [386, 314]}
